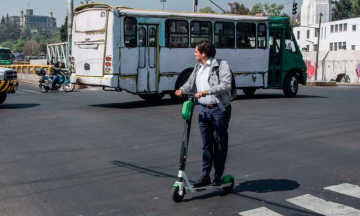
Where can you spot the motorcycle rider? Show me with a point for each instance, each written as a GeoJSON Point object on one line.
{"type": "Point", "coordinates": [55, 70]}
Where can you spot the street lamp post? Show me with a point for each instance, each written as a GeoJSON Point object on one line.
{"type": "Point", "coordinates": [163, 1]}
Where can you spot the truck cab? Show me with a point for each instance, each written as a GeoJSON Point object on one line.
{"type": "Point", "coordinates": [8, 83]}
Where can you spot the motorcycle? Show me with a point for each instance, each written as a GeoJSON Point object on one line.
{"type": "Point", "coordinates": [63, 80]}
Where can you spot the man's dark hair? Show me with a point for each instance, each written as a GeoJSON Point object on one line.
{"type": "Point", "coordinates": [207, 47]}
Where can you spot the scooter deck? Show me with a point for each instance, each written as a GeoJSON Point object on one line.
{"type": "Point", "coordinates": [208, 187]}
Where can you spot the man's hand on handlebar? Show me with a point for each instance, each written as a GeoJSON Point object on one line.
{"type": "Point", "coordinates": [179, 93]}
{"type": "Point", "coordinates": [201, 94]}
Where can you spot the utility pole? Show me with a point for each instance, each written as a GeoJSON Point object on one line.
{"type": "Point", "coordinates": [318, 48]}
{"type": "Point", "coordinates": [70, 19]}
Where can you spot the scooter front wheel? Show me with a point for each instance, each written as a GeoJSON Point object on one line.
{"type": "Point", "coordinates": [68, 87]}
{"type": "Point", "coordinates": [176, 196]}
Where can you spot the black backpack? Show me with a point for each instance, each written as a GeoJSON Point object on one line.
{"type": "Point", "coordinates": [233, 82]}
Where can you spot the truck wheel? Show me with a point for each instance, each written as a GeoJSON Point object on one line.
{"type": "Point", "coordinates": [249, 91]}
{"type": "Point", "coordinates": [2, 97]}
{"type": "Point", "coordinates": [291, 85]}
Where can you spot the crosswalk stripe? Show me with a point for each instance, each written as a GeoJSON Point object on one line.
{"type": "Point", "coordinates": [347, 189]}
{"type": "Point", "coordinates": [323, 207]}
{"type": "Point", "coordinates": [259, 212]}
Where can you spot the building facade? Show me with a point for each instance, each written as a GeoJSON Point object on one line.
{"type": "Point", "coordinates": [29, 20]}
{"type": "Point", "coordinates": [334, 36]}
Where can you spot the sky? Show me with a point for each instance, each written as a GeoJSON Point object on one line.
{"type": "Point", "coordinates": [59, 7]}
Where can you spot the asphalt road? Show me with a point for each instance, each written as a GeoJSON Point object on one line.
{"type": "Point", "coordinates": [107, 153]}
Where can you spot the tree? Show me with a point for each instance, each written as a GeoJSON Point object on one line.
{"type": "Point", "coordinates": [63, 31]}
{"type": "Point", "coordinates": [342, 10]}
{"type": "Point", "coordinates": [258, 8]}
{"type": "Point", "coordinates": [31, 48]}
{"type": "Point", "coordinates": [273, 9]}
{"type": "Point", "coordinates": [207, 10]}
{"type": "Point", "coordinates": [8, 44]}
{"type": "Point", "coordinates": [236, 8]}
{"type": "Point", "coordinates": [19, 46]}
{"type": "Point", "coordinates": [345, 9]}
{"type": "Point", "coordinates": [295, 20]}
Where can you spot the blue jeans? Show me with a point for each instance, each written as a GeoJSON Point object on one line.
{"type": "Point", "coordinates": [214, 124]}
{"type": "Point", "coordinates": [54, 79]}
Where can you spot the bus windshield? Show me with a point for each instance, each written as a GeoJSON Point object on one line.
{"type": "Point", "coordinates": [5, 54]}
{"type": "Point", "coordinates": [91, 21]}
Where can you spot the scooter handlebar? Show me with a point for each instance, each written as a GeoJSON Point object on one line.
{"type": "Point", "coordinates": [188, 95]}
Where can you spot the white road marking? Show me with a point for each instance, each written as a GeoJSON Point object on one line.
{"type": "Point", "coordinates": [347, 189]}
{"type": "Point", "coordinates": [323, 207]}
{"type": "Point", "coordinates": [260, 212]}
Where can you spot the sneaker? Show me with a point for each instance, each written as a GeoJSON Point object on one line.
{"type": "Point", "coordinates": [217, 182]}
{"type": "Point", "coordinates": [203, 181]}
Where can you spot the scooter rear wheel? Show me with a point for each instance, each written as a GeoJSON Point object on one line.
{"type": "Point", "coordinates": [43, 89]}
{"type": "Point", "coordinates": [176, 196]}
{"type": "Point", "coordinates": [230, 188]}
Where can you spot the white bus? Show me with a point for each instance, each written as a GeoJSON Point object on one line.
{"type": "Point", "coordinates": [151, 53]}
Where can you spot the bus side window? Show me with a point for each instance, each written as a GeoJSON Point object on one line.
{"type": "Point", "coordinates": [200, 31]}
{"type": "Point", "coordinates": [130, 33]}
{"type": "Point", "coordinates": [224, 35]}
{"type": "Point", "coordinates": [289, 41]}
{"type": "Point", "coordinates": [246, 35]}
{"type": "Point", "coordinates": [262, 36]}
{"type": "Point", "coordinates": [177, 33]}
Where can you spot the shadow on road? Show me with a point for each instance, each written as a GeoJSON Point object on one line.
{"type": "Point", "coordinates": [259, 186]}
{"type": "Point", "coordinates": [137, 104]}
{"type": "Point", "coordinates": [267, 185]}
{"type": "Point", "coordinates": [18, 106]}
{"type": "Point", "coordinates": [274, 96]}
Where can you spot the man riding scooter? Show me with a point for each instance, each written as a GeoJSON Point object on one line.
{"type": "Point", "coordinates": [55, 70]}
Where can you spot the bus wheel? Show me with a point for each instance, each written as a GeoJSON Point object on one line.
{"type": "Point", "coordinates": [180, 82]}
{"type": "Point", "coordinates": [152, 97]}
{"type": "Point", "coordinates": [2, 97]}
{"type": "Point", "coordinates": [249, 91]}
{"type": "Point", "coordinates": [291, 85]}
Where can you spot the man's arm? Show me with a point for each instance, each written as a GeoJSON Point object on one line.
{"type": "Point", "coordinates": [187, 86]}
{"type": "Point", "coordinates": [225, 78]}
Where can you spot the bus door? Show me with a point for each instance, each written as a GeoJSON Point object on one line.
{"type": "Point", "coordinates": [275, 57]}
{"type": "Point", "coordinates": [148, 58]}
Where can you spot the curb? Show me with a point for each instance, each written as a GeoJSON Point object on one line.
{"type": "Point", "coordinates": [322, 83]}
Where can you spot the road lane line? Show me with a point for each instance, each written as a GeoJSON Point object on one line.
{"type": "Point", "coordinates": [30, 91]}
{"type": "Point", "coordinates": [323, 207]}
{"type": "Point", "coordinates": [260, 212]}
{"type": "Point", "coordinates": [347, 189]}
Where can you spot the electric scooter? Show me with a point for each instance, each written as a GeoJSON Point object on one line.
{"type": "Point", "coordinates": [182, 185]}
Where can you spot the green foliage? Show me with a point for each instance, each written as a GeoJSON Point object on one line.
{"type": "Point", "coordinates": [9, 31]}
{"type": "Point", "coordinates": [258, 8]}
{"type": "Point", "coordinates": [19, 46]}
{"type": "Point", "coordinates": [8, 44]}
{"type": "Point", "coordinates": [64, 33]}
{"type": "Point", "coordinates": [273, 9]}
{"type": "Point", "coordinates": [207, 10]}
{"type": "Point", "coordinates": [27, 41]}
{"type": "Point", "coordinates": [237, 8]}
{"type": "Point", "coordinates": [346, 9]}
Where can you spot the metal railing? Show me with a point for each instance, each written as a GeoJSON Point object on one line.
{"type": "Point", "coordinates": [28, 69]}
{"type": "Point", "coordinates": [58, 53]}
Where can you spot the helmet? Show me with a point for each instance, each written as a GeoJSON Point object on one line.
{"type": "Point", "coordinates": [57, 65]}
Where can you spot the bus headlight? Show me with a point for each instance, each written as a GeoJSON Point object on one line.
{"type": "Point", "coordinates": [108, 70]}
